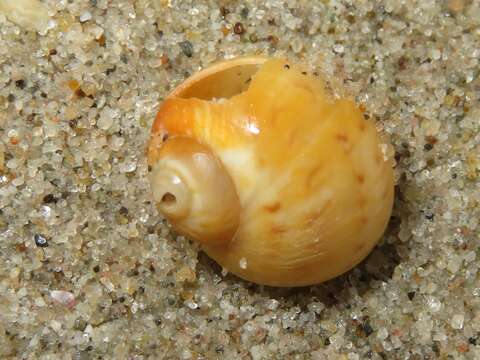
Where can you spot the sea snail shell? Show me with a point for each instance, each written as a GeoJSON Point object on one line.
{"type": "Point", "coordinates": [281, 183]}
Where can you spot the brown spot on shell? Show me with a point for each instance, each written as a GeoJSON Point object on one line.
{"type": "Point", "coordinates": [361, 201]}
{"type": "Point", "coordinates": [362, 126]}
{"type": "Point", "coordinates": [311, 217]}
{"type": "Point", "coordinates": [385, 193]}
{"type": "Point", "coordinates": [292, 137]}
{"type": "Point", "coordinates": [278, 229]}
{"type": "Point", "coordinates": [363, 220]}
{"type": "Point", "coordinates": [273, 207]}
{"type": "Point", "coordinates": [360, 178]}
{"type": "Point", "coordinates": [342, 137]}
{"type": "Point", "coordinates": [359, 246]}
{"type": "Point", "coordinates": [314, 215]}
{"type": "Point", "coordinates": [311, 176]}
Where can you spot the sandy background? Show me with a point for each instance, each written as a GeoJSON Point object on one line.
{"type": "Point", "coordinates": [88, 269]}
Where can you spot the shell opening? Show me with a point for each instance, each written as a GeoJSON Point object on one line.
{"type": "Point", "coordinates": [220, 81]}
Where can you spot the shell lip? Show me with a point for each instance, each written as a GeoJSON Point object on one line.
{"type": "Point", "coordinates": [219, 78]}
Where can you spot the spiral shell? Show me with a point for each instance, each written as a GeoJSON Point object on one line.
{"type": "Point", "coordinates": [281, 183]}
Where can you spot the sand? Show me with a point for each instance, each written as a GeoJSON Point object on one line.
{"type": "Point", "coordinates": [90, 270]}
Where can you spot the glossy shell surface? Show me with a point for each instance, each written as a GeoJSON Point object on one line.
{"type": "Point", "coordinates": [312, 179]}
